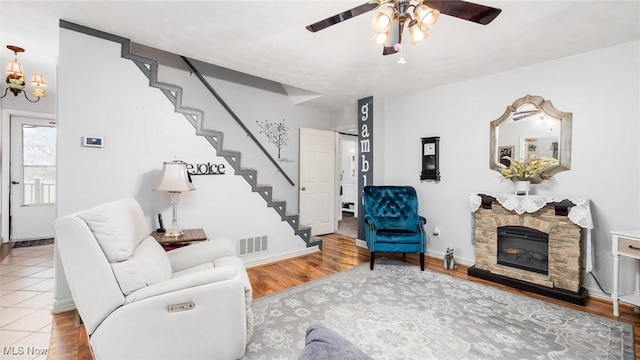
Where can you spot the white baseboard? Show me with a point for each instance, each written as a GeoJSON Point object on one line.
{"type": "Point", "coordinates": [361, 243]}
{"type": "Point", "coordinates": [289, 255]}
{"type": "Point", "coordinates": [63, 305]}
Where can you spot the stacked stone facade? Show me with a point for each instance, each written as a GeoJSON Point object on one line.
{"type": "Point", "coordinates": [564, 245]}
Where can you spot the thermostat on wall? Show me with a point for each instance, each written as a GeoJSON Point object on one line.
{"type": "Point", "coordinates": [92, 141]}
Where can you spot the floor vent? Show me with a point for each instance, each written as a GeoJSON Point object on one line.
{"type": "Point", "coordinates": [253, 245]}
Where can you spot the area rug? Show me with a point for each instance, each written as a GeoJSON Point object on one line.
{"type": "Point", "coordinates": [26, 243]}
{"type": "Point", "coordinates": [398, 312]}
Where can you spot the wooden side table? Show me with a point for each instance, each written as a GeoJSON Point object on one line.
{"type": "Point", "coordinates": [171, 242]}
{"type": "Point", "coordinates": [625, 243]}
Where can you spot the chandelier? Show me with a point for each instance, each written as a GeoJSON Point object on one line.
{"type": "Point", "coordinates": [392, 16]}
{"type": "Point", "coordinates": [15, 78]}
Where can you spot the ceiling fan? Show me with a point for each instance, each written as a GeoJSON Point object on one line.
{"type": "Point", "coordinates": [418, 15]}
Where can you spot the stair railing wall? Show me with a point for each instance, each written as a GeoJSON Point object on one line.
{"type": "Point", "coordinates": [249, 107]}
{"type": "Point", "coordinates": [195, 115]}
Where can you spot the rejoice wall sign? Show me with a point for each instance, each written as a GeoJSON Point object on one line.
{"type": "Point", "coordinates": [205, 169]}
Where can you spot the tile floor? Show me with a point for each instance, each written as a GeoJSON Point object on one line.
{"type": "Point", "coordinates": [26, 300]}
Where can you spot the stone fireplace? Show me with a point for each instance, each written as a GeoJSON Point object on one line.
{"type": "Point", "coordinates": [538, 251]}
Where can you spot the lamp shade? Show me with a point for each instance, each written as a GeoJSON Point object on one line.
{"type": "Point", "coordinates": [14, 68]}
{"type": "Point", "coordinates": [38, 80]}
{"type": "Point", "coordinates": [174, 177]}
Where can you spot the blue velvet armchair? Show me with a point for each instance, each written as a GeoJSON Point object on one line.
{"type": "Point", "coordinates": [392, 223]}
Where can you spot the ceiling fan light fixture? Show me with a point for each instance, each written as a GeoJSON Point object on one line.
{"type": "Point", "coordinates": [416, 33]}
{"type": "Point", "coordinates": [381, 38]}
{"type": "Point", "coordinates": [382, 20]}
{"type": "Point", "coordinates": [426, 16]}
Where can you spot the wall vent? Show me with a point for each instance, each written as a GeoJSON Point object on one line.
{"type": "Point", "coordinates": [253, 245]}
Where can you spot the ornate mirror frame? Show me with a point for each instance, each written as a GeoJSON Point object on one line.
{"type": "Point", "coordinates": [564, 149]}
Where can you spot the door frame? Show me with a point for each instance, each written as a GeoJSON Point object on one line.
{"type": "Point", "coordinates": [337, 208]}
{"type": "Point", "coordinates": [5, 160]}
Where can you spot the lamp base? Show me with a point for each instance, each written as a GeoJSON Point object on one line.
{"type": "Point", "coordinates": [174, 232]}
{"type": "Point", "coordinates": [174, 229]}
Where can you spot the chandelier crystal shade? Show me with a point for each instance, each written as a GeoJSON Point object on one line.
{"type": "Point", "coordinates": [15, 78]}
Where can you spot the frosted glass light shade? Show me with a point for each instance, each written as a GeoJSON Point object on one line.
{"type": "Point", "coordinates": [417, 35]}
{"type": "Point", "coordinates": [426, 17]}
{"type": "Point", "coordinates": [381, 21]}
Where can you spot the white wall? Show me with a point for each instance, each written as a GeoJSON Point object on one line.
{"type": "Point", "coordinates": [600, 88]}
{"type": "Point", "coordinates": [140, 131]}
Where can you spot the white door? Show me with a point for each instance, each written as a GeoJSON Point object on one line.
{"type": "Point", "coordinates": [33, 178]}
{"type": "Point", "coordinates": [317, 187]}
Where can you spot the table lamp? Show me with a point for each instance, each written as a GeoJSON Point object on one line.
{"type": "Point", "coordinates": [174, 179]}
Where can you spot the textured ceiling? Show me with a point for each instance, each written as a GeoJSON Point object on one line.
{"type": "Point", "coordinates": [341, 64]}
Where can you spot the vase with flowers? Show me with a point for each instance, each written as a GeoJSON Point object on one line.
{"type": "Point", "coordinates": [526, 172]}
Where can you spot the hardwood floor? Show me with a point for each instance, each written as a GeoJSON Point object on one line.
{"type": "Point", "coordinates": [338, 253]}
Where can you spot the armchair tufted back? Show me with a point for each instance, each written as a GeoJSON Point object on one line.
{"type": "Point", "coordinates": [393, 207]}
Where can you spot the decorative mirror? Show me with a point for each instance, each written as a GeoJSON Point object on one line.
{"type": "Point", "coordinates": [531, 126]}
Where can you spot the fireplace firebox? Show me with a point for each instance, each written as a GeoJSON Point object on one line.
{"type": "Point", "coordinates": [523, 248]}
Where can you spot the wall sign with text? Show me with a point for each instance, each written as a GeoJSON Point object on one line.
{"type": "Point", "coordinates": [365, 151]}
{"type": "Point", "coordinates": [206, 169]}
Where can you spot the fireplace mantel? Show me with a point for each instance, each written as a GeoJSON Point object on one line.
{"type": "Point", "coordinates": [580, 212]}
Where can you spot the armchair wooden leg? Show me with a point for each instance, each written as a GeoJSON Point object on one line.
{"type": "Point", "coordinates": [422, 261]}
{"type": "Point", "coordinates": [373, 257]}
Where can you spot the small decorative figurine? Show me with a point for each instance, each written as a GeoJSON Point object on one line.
{"type": "Point", "coordinates": [449, 262]}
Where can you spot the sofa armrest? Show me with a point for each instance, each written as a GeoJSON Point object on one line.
{"type": "Point", "coordinates": [186, 282]}
{"type": "Point", "coordinates": [200, 253]}
{"type": "Point", "coordinates": [214, 327]}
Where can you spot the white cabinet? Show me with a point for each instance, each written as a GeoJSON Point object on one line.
{"type": "Point", "coordinates": [625, 243]}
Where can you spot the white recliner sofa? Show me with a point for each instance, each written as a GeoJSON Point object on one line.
{"type": "Point", "coordinates": [139, 302]}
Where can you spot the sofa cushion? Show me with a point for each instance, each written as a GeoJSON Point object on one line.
{"type": "Point", "coordinates": [119, 226]}
{"type": "Point", "coordinates": [324, 343]}
{"type": "Point", "coordinates": [193, 270]}
{"type": "Point", "coordinates": [148, 265]}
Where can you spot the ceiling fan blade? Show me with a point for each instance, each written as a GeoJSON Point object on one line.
{"type": "Point", "coordinates": [330, 21]}
{"type": "Point", "coordinates": [388, 50]}
{"type": "Point", "coordinates": [465, 10]}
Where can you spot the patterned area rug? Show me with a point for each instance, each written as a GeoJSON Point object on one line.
{"type": "Point", "coordinates": [398, 312]}
{"type": "Point", "coordinates": [38, 242]}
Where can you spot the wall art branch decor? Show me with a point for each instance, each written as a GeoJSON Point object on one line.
{"type": "Point", "coordinates": [276, 133]}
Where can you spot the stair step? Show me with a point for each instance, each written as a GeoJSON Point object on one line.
{"type": "Point", "coordinates": [149, 67]}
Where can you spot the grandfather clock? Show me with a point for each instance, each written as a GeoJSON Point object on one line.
{"type": "Point", "coordinates": [430, 158]}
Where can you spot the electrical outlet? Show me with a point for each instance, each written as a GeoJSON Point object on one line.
{"type": "Point", "coordinates": [436, 231]}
